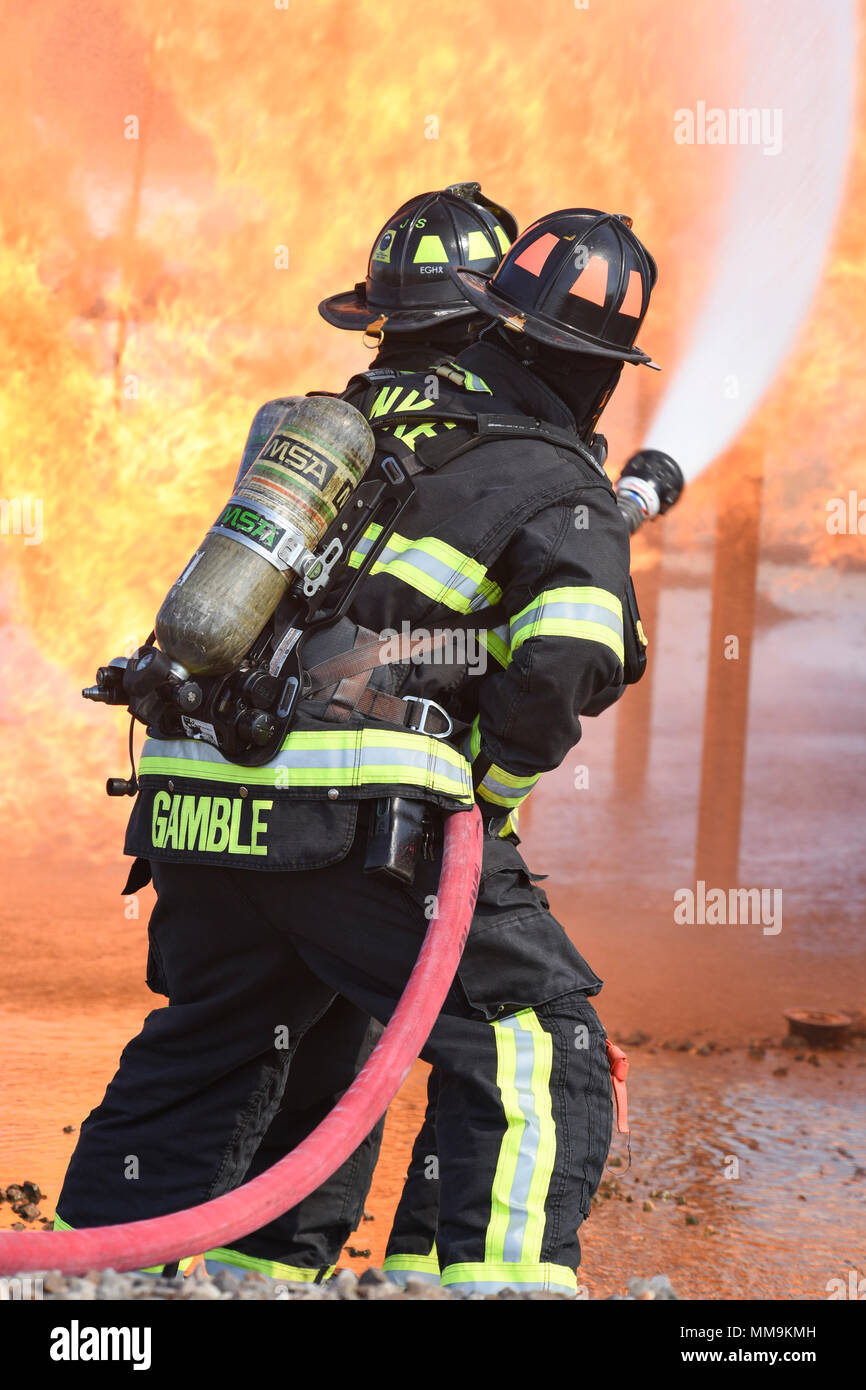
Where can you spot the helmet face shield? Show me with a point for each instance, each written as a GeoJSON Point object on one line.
{"type": "Point", "coordinates": [577, 281]}
{"type": "Point", "coordinates": [408, 276]}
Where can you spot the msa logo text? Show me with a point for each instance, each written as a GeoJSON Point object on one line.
{"type": "Point", "coordinates": [291, 453]}
{"type": "Point", "coordinates": [252, 524]}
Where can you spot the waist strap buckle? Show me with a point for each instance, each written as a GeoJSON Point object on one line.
{"type": "Point", "coordinates": [418, 719]}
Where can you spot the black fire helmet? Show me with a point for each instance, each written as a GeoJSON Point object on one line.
{"type": "Point", "coordinates": [577, 280]}
{"type": "Point", "coordinates": [408, 286]}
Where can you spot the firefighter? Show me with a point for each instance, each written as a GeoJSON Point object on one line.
{"type": "Point", "coordinates": [418, 318]}
{"type": "Point", "coordinates": [513, 535]}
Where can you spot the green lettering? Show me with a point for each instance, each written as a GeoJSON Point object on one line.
{"type": "Point", "coordinates": [161, 803]}
{"type": "Point", "coordinates": [384, 402]}
{"type": "Point", "coordinates": [171, 828]}
{"type": "Point", "coordinates": [194, 812]}
{"type": "Point", "coordinates": [410, 435]}
{"type": "Point", "coordinates": [412, 402]}
{"type": "Point", "coordinates": [235, 847]}
{"type": "Point", "coordinates": [218, 835]}
{"type": "Point", "coordinates": [258, 827]}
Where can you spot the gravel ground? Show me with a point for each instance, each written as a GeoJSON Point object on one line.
{"type": "Point", "coordinates": [372, 1284]}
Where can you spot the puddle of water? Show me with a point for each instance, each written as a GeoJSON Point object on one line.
{"type": "Point", "coordinates": [767, 1166]}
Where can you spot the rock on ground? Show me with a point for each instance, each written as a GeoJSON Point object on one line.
{"type": "Point", "coordinates": [105, 1285]}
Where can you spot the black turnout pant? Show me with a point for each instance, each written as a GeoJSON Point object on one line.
{"type": "Point", "coordinates": [253, 964]}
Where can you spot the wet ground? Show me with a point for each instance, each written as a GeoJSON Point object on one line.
{"type": "Point", "coordinates": [748, 1166]}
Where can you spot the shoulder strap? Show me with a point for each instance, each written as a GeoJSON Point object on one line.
{"type": "Point", "coordinates": [373, 375]}
{"type": "Point", "coordinates": [439, 451]}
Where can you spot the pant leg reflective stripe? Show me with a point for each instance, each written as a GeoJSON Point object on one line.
{"type": "Point", "coordinates": [526, 1156]}
{"type": "Point", "coordinates": [226, 1258]}
{"type": "Point", "coordinates": [492, 1277]}
{"type": "Point", "coordinates": [500, 1212]}
{"type": "Point", "coordinates": [183, 1265]}
{"type": "Point", "coordinates": [399, 1268]}
{"type": "Point", "coordinates": [542, 1169]}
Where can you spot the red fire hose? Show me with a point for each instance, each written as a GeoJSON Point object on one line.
{"type": "Point", "coordinates": [164, 1239]}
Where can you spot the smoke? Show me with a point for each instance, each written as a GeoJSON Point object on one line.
{"type": "Point", "coordinates": [785, 192]}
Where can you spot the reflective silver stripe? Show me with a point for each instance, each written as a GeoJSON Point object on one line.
{"type": "Point", "coordinates": [575, 612]}
{"type": "Point", "coordinates": [364, 757]}
{"type": "Point", "coordinates": [496, 1286]}
{"type": "Point", "coordinates": [512, 794]}
{"type": "Point", "coordinates": [443, 574]}
{"type": "Point", "coordinates": [363, 545]}
{"type": "Point", "coordinates": [402, 1276]}
{"type": "Point", "coordinates": [518, 1199]}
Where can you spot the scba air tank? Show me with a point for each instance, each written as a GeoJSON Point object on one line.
{"type": "Point", "coordinates": [263, 538]}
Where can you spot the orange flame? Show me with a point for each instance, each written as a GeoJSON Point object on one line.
{"type": "Point", "coordinates": [183, 184]}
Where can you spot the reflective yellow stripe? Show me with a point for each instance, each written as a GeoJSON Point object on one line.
{"type": "Point", "coordinates": [494, 787]}
{"type": "Point", "coordinates": [274, 1268]}
{"type": "Point", "coordinates": [475, 383]}
{"type": "Point", "coordinates": [434, 568]}
{"type": "Point", "coordinates": [585, 613]}
{"type": "Point", "coordinates": [506, 788]}
{"type": "Point", "coordinates": [527, 1152]}
{"type": "Point", "coordinates": [314, 758]}
{"type": "Point", "coordinates": [545, 1156]}
{"type": "Point", "coordinates": [452, 371]}
{"type": "Point", "coordinates": [504, 243]}
{"type": "Point", "coordinates": [500, 1212]}
{"type": "Point", "coordinates": [494, 790]}
{"type": "Point", "coordinates": [495, 639]}
{"type": "Point", "coordinates": [425, 1264]}
{"type": "Point", "coordinates": [489, 1278]}
{"type": "Point", "coordinates": [475, 738]}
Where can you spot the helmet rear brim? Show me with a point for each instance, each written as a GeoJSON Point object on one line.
{"type": "Point", "coordinates": [476, 286]}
